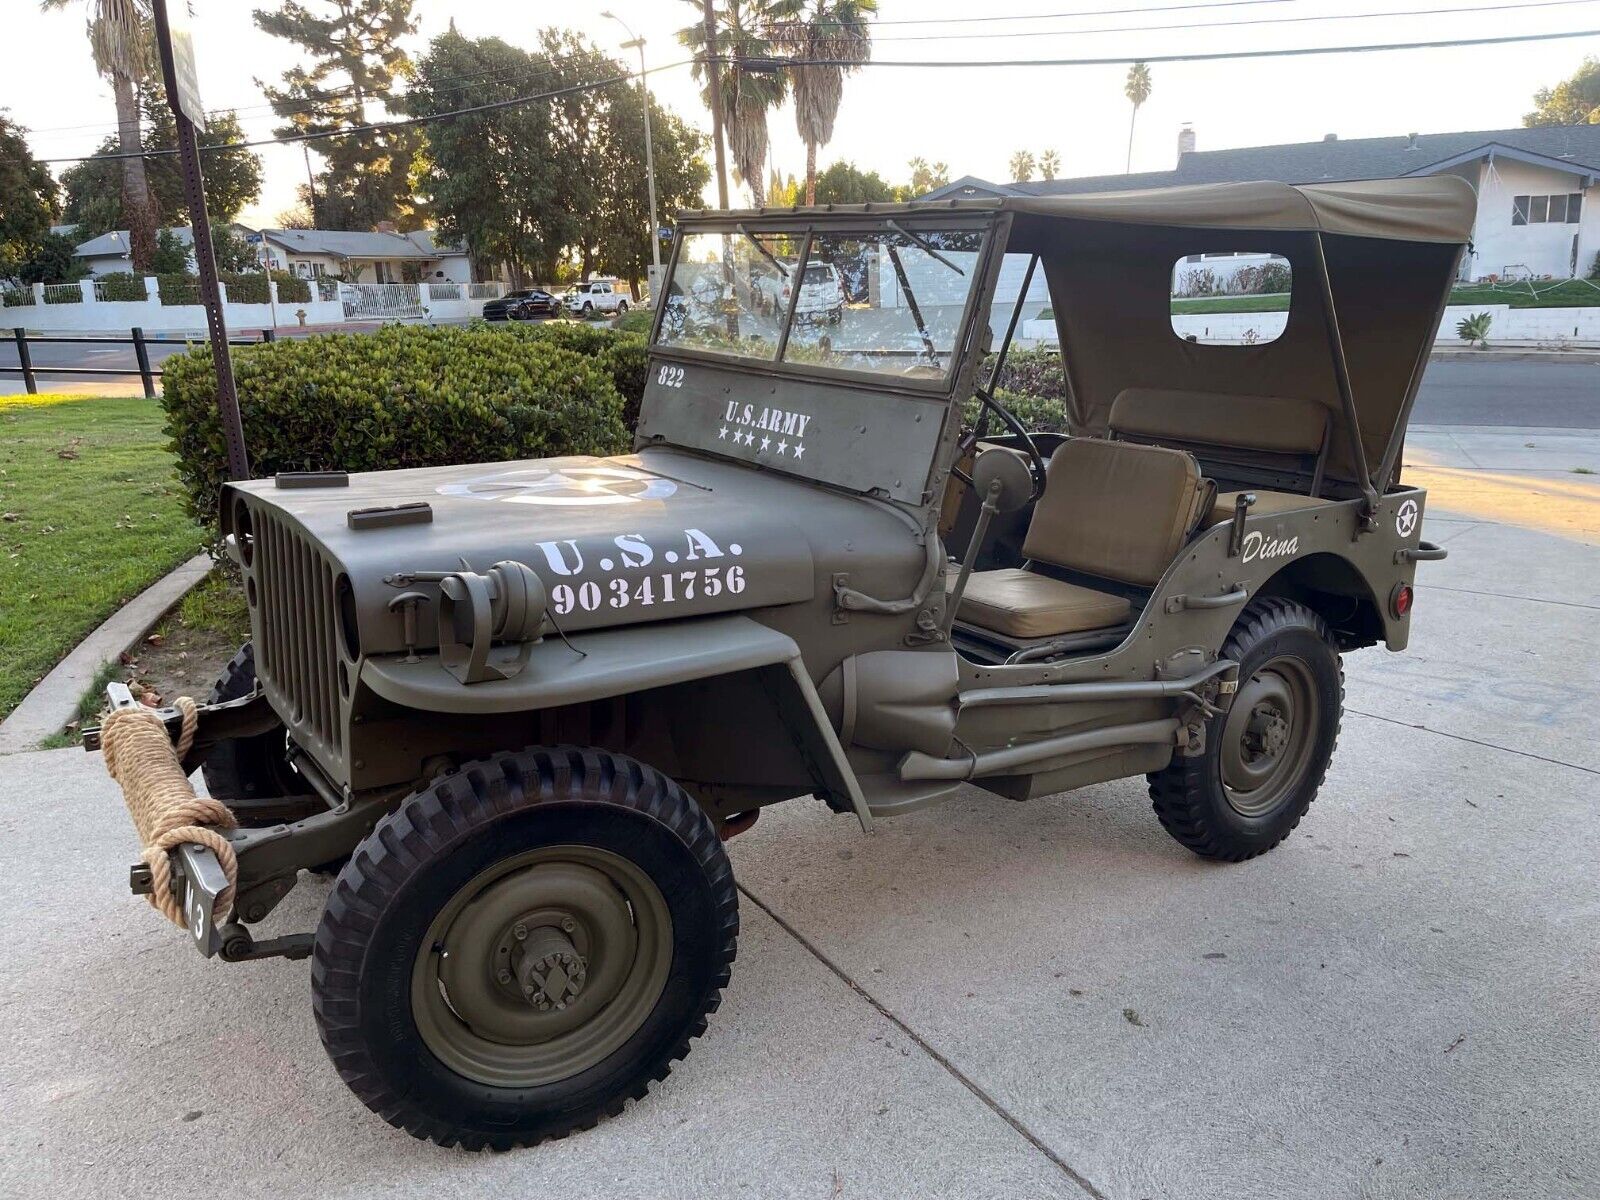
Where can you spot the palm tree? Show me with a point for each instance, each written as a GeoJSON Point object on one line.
{"type": "Point", "coordinates": [120, 38]}
{"type": "Point", "coordinates": [1137, 90]}
{"type": "Point", "coordinates": [746, 95]}
{"type": "Point", "coordinates": [1050, 164]}
{"type": "Point", "coordinates": [836, 30]}
{"type": "Point", "coordinates": [1021, 164]}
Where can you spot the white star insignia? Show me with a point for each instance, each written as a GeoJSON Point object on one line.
{"type": "Point", "coordinates": [799, 450]}
{"type": "Point", "coordinates": [782, 446]}
{"type": "Point", "coordinates": [723, 432]}
{"type": "Point", "coordinates": [749, 439]}
{"type": "Point", "coordinates": [765, 442]}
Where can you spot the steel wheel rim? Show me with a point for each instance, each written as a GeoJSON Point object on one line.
{"type": "Point", "coordinates": [1269, 736]}
{"type": "Point", "coordinates": [598, 905]}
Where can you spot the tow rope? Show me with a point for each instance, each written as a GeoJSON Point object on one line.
{"type": "Point", "coordinates": [166, 812]}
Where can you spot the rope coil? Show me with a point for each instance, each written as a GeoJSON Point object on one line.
{"type": "Point", "coordinates": [162, 802]}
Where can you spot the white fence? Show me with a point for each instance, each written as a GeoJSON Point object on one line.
{"type": "Point", "coordinates": [1532, 326]}
{"type": "Point", "coordinates": [84, 308]}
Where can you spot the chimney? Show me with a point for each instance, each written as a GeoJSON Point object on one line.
{"type": "Point", "coordinates": [1330, 137]}
{"type": "Point", "coordinates": [1411, 141]}
{"type": "Point", "coordinates": [1185, 140]}
{"type": "Point", "coordinates": [387, 227]}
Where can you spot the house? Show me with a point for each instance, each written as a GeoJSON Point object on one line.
{"type": "Point", "coordinates": [1538, 189]}
{"type": "Point", "coordinates": [384, 255]}
{"type": "Point", "coordinates": [108, 254]}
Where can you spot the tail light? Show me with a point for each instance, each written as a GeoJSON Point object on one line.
{"type": "Point", "coordinates": [1400, 599]}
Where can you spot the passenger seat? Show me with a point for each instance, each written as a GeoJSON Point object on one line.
{"type": "Point", "coordinates": [1115, 510]}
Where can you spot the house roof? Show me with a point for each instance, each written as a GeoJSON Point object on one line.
{"type": "Point", "coordinates": [1570, 147]}
{"type": "Point", "coordinates": [342, 243]}
{"type": "Point", "coordinates": [115, 243]}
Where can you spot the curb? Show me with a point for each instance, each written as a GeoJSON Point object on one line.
{"type": "Point", "coordinates": [54, 700]}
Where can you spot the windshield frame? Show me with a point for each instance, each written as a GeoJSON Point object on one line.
{"type": "Point", "coordinates": [806, 226]}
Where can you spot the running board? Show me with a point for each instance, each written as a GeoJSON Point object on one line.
{"type": "Point", "coordinates": [919, 766]}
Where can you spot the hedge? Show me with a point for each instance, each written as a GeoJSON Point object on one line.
{"type": "Point", "coordinates": [122, 285]}
{"type": "Point", "coordinates": [624, 356]}
{"type": "Point", "coordinates": [244, 287]}
{"type": "Point", "coordinates": [403, 396]}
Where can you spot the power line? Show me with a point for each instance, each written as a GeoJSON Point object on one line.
{"type": "Point", "coordinates": [1050, 16]}
{"type": "Point", "coordinates": [385, 126]}
{"type": "Point", "coordinates": [777, 64]}
{"type": "Point", "coordinates": [1295, 20]}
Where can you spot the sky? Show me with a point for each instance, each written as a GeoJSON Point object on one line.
{"type": "Point", "coordinates": [971, 118]}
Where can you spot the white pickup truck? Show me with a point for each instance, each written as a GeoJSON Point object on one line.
{"type": "Point", "coordinates": [596, 296]}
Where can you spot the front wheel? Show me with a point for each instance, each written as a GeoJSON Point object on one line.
{"type": "Point", "coordinates": [622, 308]}
{"type": "Point", "coordinates": [524, 945]}
{"type": "Point", "coordinates": [588, 310]}
{"type": "Point", "coordinates": [1265, 758]}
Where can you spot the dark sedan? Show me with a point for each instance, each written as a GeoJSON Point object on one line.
{"type": "Point", "coordinates": [522, 306]}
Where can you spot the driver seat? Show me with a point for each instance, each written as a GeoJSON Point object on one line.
{"type": "Point", "coordinates": [1114, 510]}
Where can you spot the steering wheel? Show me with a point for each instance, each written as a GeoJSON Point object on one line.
{"type": "Point", "coordinates": [964, 447]}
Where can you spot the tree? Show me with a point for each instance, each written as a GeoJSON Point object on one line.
{"type": "Point", "coordinates": [48, 260]}
{"type": "Point", "coordinates": [842, 183]}
{"type": "Point", "coordinates": [552, 185]}
{"type": "Point", "coordinates": [120, 39]}
{"type": "Point", "coordinates": [171, 256]}
{"type": "Point", "coordinates": [741, 33]}
{"type": "Point", "coordinates": [926, 177]}
{"type": "Point", "coordinates": [781, 192]}
{"type": "Point", "coordinates": [821, 29]}
{"type": "Point", "coordinates": [298, 217]}
{"type": "Point", "coordinates": [1574, 101]}
{"type": "Point", "coordinates": [1021, 166]}
{"type": "Point", "coordinates": [232, 252]}
{"type": "Point", "coordinates": [1137, 90]}
{"type": "Point", "coordinates": [233, 177]}
{"type": "Point", "coordinates": [27, 199]}
{"type": "Point", "coordinates": [353, 47]}
{"type": "Point", "coordinates": [1050, 164]}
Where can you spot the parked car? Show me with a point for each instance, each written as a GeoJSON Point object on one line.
{"type": "Point", "coordinates": [596, 296]}
{"type": "Point", "coordinates": [822, 293]}
{"type": "Point", "coordinates": [524, 305]}
{"type": "Point", "coordinates": [822, 573]}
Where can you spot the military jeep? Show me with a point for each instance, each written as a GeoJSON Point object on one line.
{"type": "Point", "coordinates": [519, 707]}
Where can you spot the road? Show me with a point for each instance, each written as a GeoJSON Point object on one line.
{"type": "Point", "coordinates": [1470, 391]}
{"type": "Point", "coordinates": [1554, 395]}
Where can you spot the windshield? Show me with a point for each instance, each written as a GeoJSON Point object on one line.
{"type": "Point", "coordinates": [889, 300]}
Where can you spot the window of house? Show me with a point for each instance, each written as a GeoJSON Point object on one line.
{"type": "Point", "coordinates": [1561, 208]}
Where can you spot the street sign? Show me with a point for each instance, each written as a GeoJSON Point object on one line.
{"type": "Point", "coordinates": [184, 76]}
{"type": "Point", "coordinates": [665, 233]}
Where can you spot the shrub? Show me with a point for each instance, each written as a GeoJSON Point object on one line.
{"type": "Point", "coordinates": [178, 287]}
{"type": "Point", "coordinates": [122, 286]}
{"type": "Point", "coordinates": [244, 287]}
{"type": "Point", "coordinates": [623, 356]}
{"type": "Point", "coordinates": [1475, 329]}
{"type": "Point", "coordinates": [1038, 414]}
{"type": "Point", "coordinates": [1032, 373]}
{"type": "Point", "coordinates": [403, 396]}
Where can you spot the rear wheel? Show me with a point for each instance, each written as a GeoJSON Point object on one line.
{"type": "Point", "coordinates": [588, 310]}
{"type": "Point", "coordinates": [523, 946]}
{"type": "Point", "coordinates": [622, 308]}
{"type": "Point", "coordinates": [1267, 755]}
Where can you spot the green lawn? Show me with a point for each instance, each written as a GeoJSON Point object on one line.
{"type": "Point", "coordinates": [1569, 293]}
{"type": "Point", "coordinates": [90, 515]}
{"type": "Point", "coordinates": [1233, 304]}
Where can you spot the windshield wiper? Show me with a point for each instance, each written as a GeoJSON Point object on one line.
{"type": "Point", "coordinates": [911, 303]}
{"type": "Point", "coordinates": [763, 251]}
{"type": "Point", "coordinates": [925, 245]}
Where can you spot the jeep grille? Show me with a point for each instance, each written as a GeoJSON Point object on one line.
{"type": "Point", "coordinates": [297, 652]}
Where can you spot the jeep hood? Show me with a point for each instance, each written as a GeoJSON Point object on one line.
{"type": "Point", "coordinates": [616, 541]}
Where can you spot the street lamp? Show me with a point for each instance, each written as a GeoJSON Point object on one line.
{"type": "Point", "coordinates": [635, 42]}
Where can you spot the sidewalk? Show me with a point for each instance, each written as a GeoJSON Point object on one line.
{"type": "Point", "coordinates": [984, 999]}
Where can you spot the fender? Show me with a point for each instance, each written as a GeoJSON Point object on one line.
{"type": "Point", "coordinates": [600, 664]}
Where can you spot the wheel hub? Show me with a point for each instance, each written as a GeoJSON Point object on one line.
{"type": "Point", "coordinates": [1268, 737]}
{"type": "Point", "coordinates": [548, 969]}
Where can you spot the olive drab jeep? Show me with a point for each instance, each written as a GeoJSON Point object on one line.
{"type": "Point", "coordinates": [517, 708]}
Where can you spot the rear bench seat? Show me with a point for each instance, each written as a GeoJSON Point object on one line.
{"type": "Point", "coordinates": [1290, 429]}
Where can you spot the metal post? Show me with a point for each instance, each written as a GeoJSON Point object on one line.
{"type": "Point", "coordinates": [205, 261]}
{"type": "Point", "coordinates": [650, 165]}
{"type": "Point", "coordinates": [1341, 373]}
{"type": "Point", "coordinates": [24, 361]}
{"type": "Point", "coordinates": [714, 79]}
{"type": "Point", "coordinates": [141, 352]}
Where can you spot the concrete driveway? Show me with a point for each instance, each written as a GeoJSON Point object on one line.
{"type": "Point", "coordinates": [985, 999]}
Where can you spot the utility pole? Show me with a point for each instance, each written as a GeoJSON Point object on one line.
{"type": "Point", "coordinates": [714, 77]}
{"type": "Point", "coordinates": [311, 186]}
{"type": "Point", "coordinates": [637, 42]}
{"type": "Point", "coordinates": [183, 94]}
